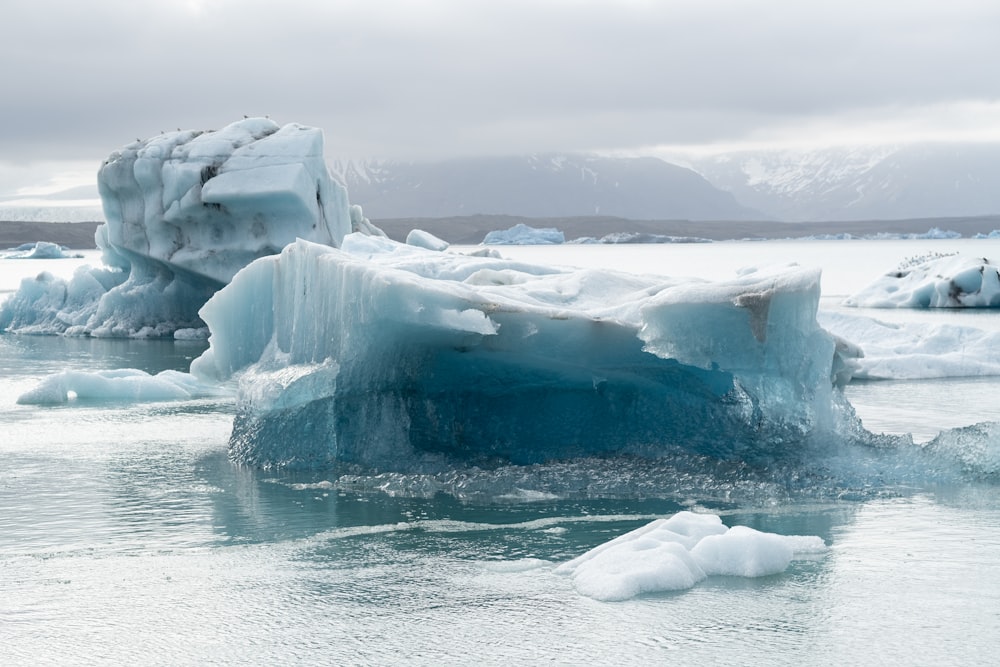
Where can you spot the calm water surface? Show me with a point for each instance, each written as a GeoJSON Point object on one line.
{"type": "Point", "coordinates": [127, 536]}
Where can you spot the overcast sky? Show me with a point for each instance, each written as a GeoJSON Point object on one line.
{"type": "Point", "coordinates": [441, 78]}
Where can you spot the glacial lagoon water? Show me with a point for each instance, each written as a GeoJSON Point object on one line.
{"type": "Point", "coordinates": [127, 536]}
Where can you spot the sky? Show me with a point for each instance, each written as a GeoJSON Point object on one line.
{"type": "Point", "coordinates": [433, 79]}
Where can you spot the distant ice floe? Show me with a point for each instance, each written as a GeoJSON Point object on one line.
{"type": "Point", "coordinates": [39, 250]}
{"type": "Point", "coordinates": [934, 233]}
{"type": "Point", "coordinates": [934, 281]}
{"type": "Point", "coordinates": [639, 237]}
{"type": "Point", "coordinates": [676, 553]}
{"type": "Point", "coordinates": [522, 234]}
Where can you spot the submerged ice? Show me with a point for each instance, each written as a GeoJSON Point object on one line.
{"type": "Point", "coordinates": [185, 212]}
{"type": "Point", "coordinates": [380, 352]}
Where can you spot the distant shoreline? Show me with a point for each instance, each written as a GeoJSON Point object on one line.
{"type": "Point", "coordinates": [75, 235]}
{"type": "Point", "coordinates": [470, 230]}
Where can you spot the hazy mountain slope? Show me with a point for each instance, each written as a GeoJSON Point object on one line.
{"type": "Point", "coordinates": [916, 181]}
{"type": "Point", "coordinates": [537, 186]}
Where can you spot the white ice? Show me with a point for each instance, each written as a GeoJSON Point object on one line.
{"type": "Point", "coordinates": [676, 553]}
{"type": "Point", "coordinates": [915, 351]}
{"type": "Point", "coordinates": [949, 281]}
{"type": "Point", "coordinates": [119, 385]}
{"type": "Point", "coordinates": [422, 239]}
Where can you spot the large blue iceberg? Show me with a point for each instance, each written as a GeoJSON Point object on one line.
{"type": "Point", "coordinates": [383, 354]}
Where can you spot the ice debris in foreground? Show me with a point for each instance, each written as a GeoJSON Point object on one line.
{"type": "Point", "coordinates": [936, 281]}
{"type": "Point", "coordinates": [380, 352]}
{"type": "Point", "coordinates": [185, 212]}
{"type": "Point", "coordinates": [676, 553]}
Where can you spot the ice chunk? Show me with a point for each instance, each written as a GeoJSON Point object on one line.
{"type": "Point", "coordinates": [976, 448]}
{"type": "Point", "coordinates": [949, 281]}
{"type": "Point", "coordinates": [379, 351]}
{"type": "Point", "coordinates": [211, 202]}
{"type": "Point", "coordinates": [913, 351]}
{"type": "Point", "coordinates": [676, 553]}
{"type": "Point", "coordinates": [185, 212]}
{"type": "Point", "coordinates": [422, 239]}
{"type": "Point", "coordinates": [124, 384]}
{"type": "Point", "coordinates": [522, 234]}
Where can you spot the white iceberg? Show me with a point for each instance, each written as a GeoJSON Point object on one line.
{"type": "Point", "coordinates": [935, 281]}
{"type": "Point", "coordinates": [378, 352]}
{"type": "Point", "coordinates": [915, 351]}
{"type": "Point", "coordinates": [676, 553]}
{"type": "Point", "coordinates": [185, 212]}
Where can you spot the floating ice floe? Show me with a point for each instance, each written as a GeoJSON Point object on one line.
{"type": "Point", "coordinates": [935, 281]}
{"type": "Point", "coordinates": [185, 212]}
{"type": "Point", "coordinates": [615, 238]}
{"type": "Point", "coordinates": [119, 385]}
{"type": "Point", "coordinates": [915, 351]}
{"type": "Point", "coordinates": [676, 553]}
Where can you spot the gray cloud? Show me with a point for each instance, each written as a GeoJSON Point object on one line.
{"type": "Point", "coordinates": [399, 79]}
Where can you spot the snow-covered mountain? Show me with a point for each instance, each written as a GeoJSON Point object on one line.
{"type": "Point", "coordinates": [862, 183]}
{"type": "Point", "coordinates": [550, 185]}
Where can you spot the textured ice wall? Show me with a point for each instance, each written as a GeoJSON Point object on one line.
{"type": "Point", "coordinates": [380, 352]}
{"type": "Point", "coordinates": [185, 212]}
{"type": "Point", "coordinates": [212, 202]}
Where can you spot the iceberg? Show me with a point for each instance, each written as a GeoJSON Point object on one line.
{"type": "Point", "coordinates": [522, 234]}
{"type": "Point", "coordinates": [676, 553]}
{"type": "Point", "coordinates": [934, 281]}
{"type": "Point", "coordinates": [381, 353]}
{"type": "Point", "coordinates": [895, 351]}
{"type": "Point", "coordinates": [185, 212]}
